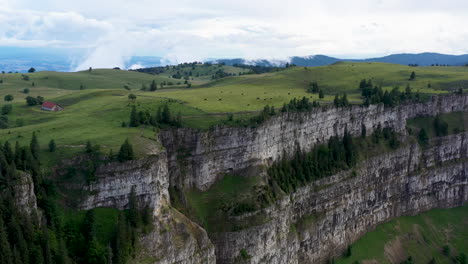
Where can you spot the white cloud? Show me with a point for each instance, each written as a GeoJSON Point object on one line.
{"type": "Point", "coordinates": [185, 30]}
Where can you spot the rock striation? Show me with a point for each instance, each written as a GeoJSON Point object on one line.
{"type": "Point", "coordinates": [319, 221]}
{"type": "Point", "coordinates": [314, 223]}
{"type": "Point", "coordinates": [199, 158]}
{"type": "Point", "coordinates": [147, 177]}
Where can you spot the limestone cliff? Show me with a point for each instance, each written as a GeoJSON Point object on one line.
{"type": "Point", "coordinates": [174, 238]}
{"type": "Point", "coordinates": [315, 222]}
{"type": "Point", "coordinates": [24, 196]}
{"type": "Point", "coordinates": [197, 159]}
{"type": "Point", "coordinates": [320, 220]}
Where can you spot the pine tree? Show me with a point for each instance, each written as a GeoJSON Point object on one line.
{"type": "Point", "coordinates": [8, 152]}
{"type": "Point", "coordinates": [125, 152]}
{"type": "Point", "coordinates": [423, 137]}
{"type": "Point", "coordinates": [5, 250]}
{"type": "Point", "coordinates": [89, 147]}
{"type": "Point", "coordinates": [34, 146]}
{"type": "Point", "coordinates": [134, 117]}
{"type": "Point", "coordinates": [133, 213]}
{"type": "Point", "coordinates": [321, 94]}
{"type": "Point", "coordinates": [52, 145]}
{"type": "Point", "coordinates": [166, 115]}
{"type": "Point", "coordinates": [153, 86]}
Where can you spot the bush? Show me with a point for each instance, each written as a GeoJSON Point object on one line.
{"type": "Point", "coordinates": [6, 109]}
{"type": "Point", "coordinates": [8, 97]}
{"type": "Point", "coordinates": [26, 90]}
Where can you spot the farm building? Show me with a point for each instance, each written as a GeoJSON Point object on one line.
{"type": "Point", "coordinates": [50, 106]}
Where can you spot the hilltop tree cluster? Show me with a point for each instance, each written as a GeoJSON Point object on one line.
{"type": "Point", "coordinates": [162, 117]}
{"type": "Point", "coordinates": [34, 100]}
{"type": "Point", "coordinates": [376, 95]}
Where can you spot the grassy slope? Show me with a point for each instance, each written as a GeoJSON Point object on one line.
{"type": "Point", "coordinates": [455, 121]}
{"type": "Point", "coordinates": [421, 237]}
{"type": "Point", "coordinates": [96, 113]}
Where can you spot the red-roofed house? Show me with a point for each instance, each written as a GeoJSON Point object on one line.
{"type": "Point", "coordinates": [50, 106]}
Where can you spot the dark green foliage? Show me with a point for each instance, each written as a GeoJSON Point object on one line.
{"type": "Point", "coordinates": [446, 250]}
{"type": "Point", "coordinates": [375, 95]}
{"type": "Point", "coordinates": [8, 98]}
{"type": "Point", "coordinates": [348, 253]}
{"type": "Point", "coordinates": [26, 90]}
{"type": "Point", "coordinates": [133, 212]}
{"type": "Point", "coordinates": [341, 101]}
{"type": "Point", "coordinates": [6, 109]}
{"type": "Point", "coordinates": [324, 160]}
{"type": "Point", "coordinates": [52, 145]}
{"type": "Point", "coordinates": [34, 101]}
{"type": "Point", "coordinates": [440, 127]}
{"type": "Point", "coordinates": [125, 152]}
{"type": "Point", "coordinates": [409, 260]}
{"type": "Point", "coordinates": [31, 70]}
{"type": "Point", "coordinates": [153, 86]}
{"type": "Point", "coordinates": [461, 259]}
{"type": "Point", "coordinates": [313, 87]}
{"type": "Point", "coordinates": [321, 94]}
{"type": "Point", "coordinates": [244, 254]}
{"type": "Point", "coordinates": [3, 122]}
{"type": "Point", "coordinates": [412, 76]}
{"type": "Point", "coordinates": [132, 97]}
{"type": "Point", "coordinates": [423, 138]}
{"type": "Point", "coordinates": [134, 122]}
{"type": "Point", "coordinates": [363, 131]}
{"type": "Point", "coordinates": [34, 146]}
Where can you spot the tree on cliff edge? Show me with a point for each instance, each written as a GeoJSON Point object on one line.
{"type": "Point", "coordinates": [125, 152]}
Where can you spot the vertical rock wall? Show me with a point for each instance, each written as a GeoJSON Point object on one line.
{"type": "Point", "coordinates": [198, 158]}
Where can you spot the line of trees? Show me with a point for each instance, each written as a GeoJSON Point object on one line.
{"type": "Point", "coordinates": [376, 95]}
{"type": "Point", "coordinates": [324, 160]}
{"type": "Point", "coordinates": [162, 117]}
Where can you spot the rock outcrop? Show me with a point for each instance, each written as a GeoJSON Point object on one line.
{"type": "Point", "coordinates": [198, 159]}
{"type": "Point", "coordinates": [24, 196]}
{"type": "Point", "coordinates": [319, 221]}
{"type": "Point", "coordinates": [147, 177]}
{"type": "Point", "coordinates": [174, 238]}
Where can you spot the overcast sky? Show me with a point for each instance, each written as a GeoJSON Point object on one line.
{"type": "Point", "coordinates": [110, 31]}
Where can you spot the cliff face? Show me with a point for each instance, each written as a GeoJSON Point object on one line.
{"type": "Point", "coordinates": [315, 222]}
{"type": "Point", "coordinates": [174, 238]}
{"type": "Point", "coordinates": [319, 221]}
{"type": "Point", "coordinates": [115, 181]}
{"type": "Point", "coordinates": [24, 196]}
{"type": "Point", "coordinates": [197, 159]}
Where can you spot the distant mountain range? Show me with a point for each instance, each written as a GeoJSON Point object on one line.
{"type": "Point", "coordinates": [421, 59]}
{"type": "Point", "coordinates": [42, 59]}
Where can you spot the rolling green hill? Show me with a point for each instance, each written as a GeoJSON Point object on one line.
{"type": "Point", "coordinates": [96, 102]}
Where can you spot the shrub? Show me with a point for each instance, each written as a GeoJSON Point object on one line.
{"type": "Point", "coordinates": [8, 97]}
{"type": "Point", "coordinates": [6, 109]}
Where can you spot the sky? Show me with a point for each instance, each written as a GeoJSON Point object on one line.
{"type": "Point", "coordinates": [108, 32]}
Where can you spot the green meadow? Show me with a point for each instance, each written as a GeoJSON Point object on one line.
{"type": "Point", "coordinates": [422, 237]}
{"type": "Point", "coordinates": [96, 102]}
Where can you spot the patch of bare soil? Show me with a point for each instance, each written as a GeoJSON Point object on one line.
{"type": "Point", "coordinates": [394, 251]}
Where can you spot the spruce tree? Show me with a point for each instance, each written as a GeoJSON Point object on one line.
{"type": "Point", "coordinates": [34, 146]}
{"type": "Point", "coordinates": [89, 147]}
{"type": "Point", "coordinates": [125, 152]}
{"type": "Point", "coordinates": [153, 86]}
{"type": "Point", "coordinates": [166, 115]}
{"type": "Point", "coordinates": [5, 249]}
{"type": "Point", "coordinates": [52, 145]}
{"type": "Point", "coordinates": [133, 117]}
